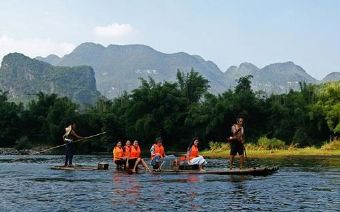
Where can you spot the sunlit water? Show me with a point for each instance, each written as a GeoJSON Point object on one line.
{"type": "Point", "coordinates": [301, 184]}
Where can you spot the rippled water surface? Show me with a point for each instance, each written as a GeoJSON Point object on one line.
{"type": "Point", "coordinates": [301, 184]}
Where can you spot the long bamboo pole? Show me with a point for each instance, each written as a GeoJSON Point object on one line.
{"type": "Point", "coordinates": [83, 139]}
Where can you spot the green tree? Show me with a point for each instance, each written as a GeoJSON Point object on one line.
{"type": "Point", "coordinates": [244, 84]}
{"type": "Point", "coordinates": [47, 116]}
{"type": "Point", "coordinates": [328, 101]}
{"type": "Point", "coordinates": [192, 85]}
{"type": "Point", "coordinates": [9, 121]}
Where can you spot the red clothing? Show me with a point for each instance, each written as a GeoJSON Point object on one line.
{"type": "Point", "coordinates": [193, 153]}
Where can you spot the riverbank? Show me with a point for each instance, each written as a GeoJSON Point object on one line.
{"type": "Point", "coordinates": [34, 150]}
{"type": "Point", "coordinates": [268, 148]}
{"type": "Point", "coordinates": [308, 151]}
{"type": "Point", "coordinates": [38, 149]}
{"type": "Point", "coordinates": [13, 151]}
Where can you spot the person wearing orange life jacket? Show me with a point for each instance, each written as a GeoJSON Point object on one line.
{"type": "Point", "coordinates": [193, 156]}
{"type": "Point", "coordinates": [119, 156]}
{"type": "Point", "coordinates": [157, 154]}
{"type": "Point", "coordinates": [135, 157]}
{"type": "Point", "coordinates": [127, 150]}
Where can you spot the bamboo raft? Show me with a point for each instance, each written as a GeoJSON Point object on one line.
{"type": "Point", "coordinates": [260, 171]}
{"type": "Point", "coordinates": [255, 171]}
{"type": "Point", "coordinates": [100, 166]}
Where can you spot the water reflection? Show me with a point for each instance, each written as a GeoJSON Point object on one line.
{"type": "Point", "coordinates": [126, 190]}
{"type": "Point", "coordinates": [238, 178]}
{"type": "Point", "coordinates": [194, 178]}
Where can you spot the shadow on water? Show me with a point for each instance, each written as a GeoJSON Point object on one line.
{"type": "Point", "coordinates": [63, 179]}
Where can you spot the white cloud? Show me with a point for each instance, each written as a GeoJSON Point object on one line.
{"type": "Point", "coordinates": [113, 31]}
{"type": "Point", "coordinates": [33, 47]}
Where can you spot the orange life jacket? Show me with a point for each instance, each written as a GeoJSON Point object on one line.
{"type": "Point", "coordinates": [118, 153]}
{"type": "Point", "coordinates": [158, 150]}
{"type": "Point", "coordinates": [127, 151]}
{"type": "Point", "coordinates": [193, 152]}
{"type": "Point", "coordinates": [135, 152]}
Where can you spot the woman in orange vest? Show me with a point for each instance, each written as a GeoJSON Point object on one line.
{"type": "Point", "coordinates": [157, 154]}
{"type": "Point", "coordinates": [135, 157]}
{"type": "Point", "coordinates": [193, 156]}
{"type": "Point", "coordinates": [119, 156]}
{"type": "Point", "coordinates": [127, 150]}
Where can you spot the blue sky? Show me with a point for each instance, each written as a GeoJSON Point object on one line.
{"type": "Point", "coordinates": [226, 32]}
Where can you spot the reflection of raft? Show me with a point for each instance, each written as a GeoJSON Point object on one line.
{"type": "Point", "coordinates": [260, 171]}
{"type": "Point", "coordinates": [100, 166]}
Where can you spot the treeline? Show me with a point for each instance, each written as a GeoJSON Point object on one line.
{"type": "Point", "coordinates": [177, 111]}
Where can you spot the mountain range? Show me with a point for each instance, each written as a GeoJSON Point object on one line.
{"type": "Point", "coordinates": [116, 68]}
{"type": "Point", "coordinates": [119, 67]}
{"type": "Point", "coordinates": [24, 77]}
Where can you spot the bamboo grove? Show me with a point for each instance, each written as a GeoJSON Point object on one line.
{"type": "Point", "coordinates": [177, 111]}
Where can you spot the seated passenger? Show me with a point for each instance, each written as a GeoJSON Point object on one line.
{"type": "Point", "coordinates": [135, 157]}
{"type": "Point", "coordinates": [118, 156]}
{"type": "Point", "coordinates": [194, 158]}
{"type": "Point", "coordinates": [157, 154]}
{"type": "Point", "coordinates": [127, 150]}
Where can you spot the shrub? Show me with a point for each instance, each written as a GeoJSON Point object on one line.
{"type": "Point", "coordinates": [333, 145]}
{"type": "Point", "coordinates": [270, 144]}
{"type": "Point", "coordinates": [250, 146]}
{"type": "Point", "coordinates": [218, 146]}
{"type": "Point", "coordinates": [23, 143]}
{"type": "Point", "coordinates": [292, 147]}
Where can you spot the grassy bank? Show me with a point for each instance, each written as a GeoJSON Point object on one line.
{"type": "Point", "coordinates": [219, 150]}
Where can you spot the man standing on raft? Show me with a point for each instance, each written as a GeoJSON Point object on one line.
{"type": "Point", "coordinates": [236, 142]}
{"type": "Point", "coordinates": [69, 137]}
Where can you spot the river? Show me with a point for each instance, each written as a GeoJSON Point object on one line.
{"type": "Point", "coordinates": [301, 184]}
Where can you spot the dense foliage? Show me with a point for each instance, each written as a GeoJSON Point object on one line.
{"type": "Point", "coordinates": [177, 111]}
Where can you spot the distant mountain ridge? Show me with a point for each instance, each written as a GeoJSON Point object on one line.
{"type": "Point", "coordinates": [334, 76]}
{"type": "Point", "coordinates": [24, 77]}
{"type": "Point", "coordinates": [118, 67]}
{"type": "Point", "coordinates": [51, 59]}
{"type": "Point", "coordinates": [273, 78]}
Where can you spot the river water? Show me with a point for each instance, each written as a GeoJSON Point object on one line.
{"type": "Point", "coordinates": [301, 184]}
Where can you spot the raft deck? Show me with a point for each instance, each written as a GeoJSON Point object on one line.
{"type": "Point", "coordinates": [260, 171]}
{"type": "Point", "coordinates": [80, 168]}
{"type": "Point", "coordinates": [256, 171]}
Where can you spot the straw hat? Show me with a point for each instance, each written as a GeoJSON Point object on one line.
{"type": "Point", "coordinates": [68, 130]}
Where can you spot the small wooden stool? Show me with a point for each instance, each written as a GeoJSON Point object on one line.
{"type": "Point", "coordinates": [103, 166]}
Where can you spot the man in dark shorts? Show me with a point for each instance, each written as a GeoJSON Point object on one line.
{"type": "Point", "coordinates": [236, 142]}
